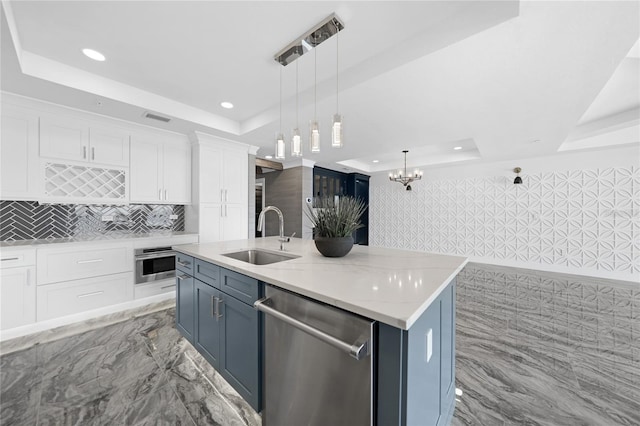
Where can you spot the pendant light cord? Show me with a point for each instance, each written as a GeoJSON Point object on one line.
{"type": "Point", "coordinates": [297, 95]}
{"type": "Point", "coordinates": [337, 59]}
{"type": "Point", "coordinates": [315, 83]}
{"type": "Point", "coordinates": [280, 129]}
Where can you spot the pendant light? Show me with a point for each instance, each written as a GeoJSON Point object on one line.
{"type": "Point", "coordinates": [336, 127]}
{"type": "Point", "coordinates": [280, 145]}
{"type": "Point", "coordinates": [296, 139]}
{"type": "Point", "coordinates": [314, 130]}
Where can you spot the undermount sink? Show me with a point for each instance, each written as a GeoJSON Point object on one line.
{"type": "Point", "coordinates": [260, 257]}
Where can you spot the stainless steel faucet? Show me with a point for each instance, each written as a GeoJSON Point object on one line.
{"type": "Point", "coordinates": [282, 238]}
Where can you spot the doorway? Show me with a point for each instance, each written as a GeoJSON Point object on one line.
{"type": "Point", "coordinates": [260, 197]}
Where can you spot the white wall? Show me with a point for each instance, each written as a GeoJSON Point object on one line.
{"type": "Point", "coordinates": [577, 213]}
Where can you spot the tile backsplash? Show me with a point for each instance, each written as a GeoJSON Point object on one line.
{"type": "Point", "coordinates": [25, 220]}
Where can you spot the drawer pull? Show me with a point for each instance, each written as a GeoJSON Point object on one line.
{"type": "Point", "coordinates": [80, 262]}
{"type": "Point", "coordinates": [95, 293]}
{"type": "Point", "coordinates": [184, 264]}
{"type": "Point", "coordinates": [10, 258]}
{"type": "Point", "coordinates": [182, 277]}
{"type": "Point", "coordinates": [168, 286]}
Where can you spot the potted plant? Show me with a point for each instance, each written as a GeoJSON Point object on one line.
{"type": "Point", "coordinates": [334, 221]}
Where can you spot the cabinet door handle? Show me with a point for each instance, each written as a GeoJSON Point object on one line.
{"type": "Point", "coordinates": [168, 286]}
{"type": "Point", "coordinates": [80, 262]}
{"type": "Point", "coordinates": [182, 277]}
{"type": "Point", "coordinates": [222, 195]}
{"type": "Point", "coordinates": [159, 194]}
{"type": "Point", "coordinates": [10, 258]}
{"type": "Point", "coordinates": [84, 152]}
{"type": "Point", "coordinates": [225, 196]}
{"type": "Point", "coordinates": [218, 302]}
{"type": "Point", "coordinates": [185, 264]}
{"type": "Point", "coordinates": [93, 153]}
{"type": "Point", "coordinates": [225, 211]}
{"type": "Point", "coordinates": [213, 312]}
{"type": "Point", "coordinates": [95, 293]}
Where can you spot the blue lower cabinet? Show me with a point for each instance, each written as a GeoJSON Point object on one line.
{"type": "Point", "coordinates": [415, 371]}
{"type": "Point", "coordinates": [185, 305]}
{"type": "Point", "coordinates": [208, 320]}
{"type": "Point", "coordinates": [222, 324]}
{"type": "Point", "coordinates": [240, 338]}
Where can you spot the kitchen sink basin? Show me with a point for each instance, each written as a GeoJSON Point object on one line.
{"type": "Point", "coordinates": [260, 257]}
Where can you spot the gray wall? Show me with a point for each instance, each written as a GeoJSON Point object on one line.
{"type": "Point", "coordinates": [283, 189]}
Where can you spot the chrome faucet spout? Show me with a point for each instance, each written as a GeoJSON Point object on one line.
{"type": "Point", "coordinates": [281, 238]}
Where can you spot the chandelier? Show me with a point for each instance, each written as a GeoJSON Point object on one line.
{"type": "Point", "coordinates": [403, 177]}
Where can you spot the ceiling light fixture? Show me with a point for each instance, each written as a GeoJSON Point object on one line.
{"type": "Point", "coordinates": [280, 137]}
{"type": "Point", "coordinates": [375, 161]}
{"type": "Point", "coordinates": [268, 157]}
{"type": "Point", "coordinates": [227, 105]}
{"type": "Point", "coordinates": [403, 177]}
{"type": "Point", "coordinates": [518, 179]}
{"type": "Point", "coordinates": [296, 139]}
{"type": "Point", "coordinates": [314, 128]}
{"type": "Point", "coordinates": [94, 54]}
{"type": "Point", "coordinates": [303, 44]}
{"type": "Point", "coordinates": [336, 127]}
{"type": "Point", "coordinates": [457, 148]}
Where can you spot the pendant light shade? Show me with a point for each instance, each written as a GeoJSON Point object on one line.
{"type": "Point", "coordinates": [336, 131]}
{"type": "Point", "coordinates": [314, 136]}
{"type": "Point", "coordinates": [296, 139]}
{"type": "Point", "coordinates": [280, 146]}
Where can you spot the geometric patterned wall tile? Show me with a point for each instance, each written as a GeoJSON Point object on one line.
{"type": "Point", "coordinates": [587, 219]}
{"type": "Point", "coordinates": [26, 220]}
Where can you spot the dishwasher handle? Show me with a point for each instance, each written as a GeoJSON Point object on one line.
{"type": "Point", "coordinates": [357, 350]}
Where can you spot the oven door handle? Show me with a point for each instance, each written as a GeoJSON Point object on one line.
{"type": "Point", "coordinates": [155, 255]}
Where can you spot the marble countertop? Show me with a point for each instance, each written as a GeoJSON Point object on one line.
{"type": "Point", "coordinates": [104, 237]}
{"type": "Point", "coordinates": [391, 286]}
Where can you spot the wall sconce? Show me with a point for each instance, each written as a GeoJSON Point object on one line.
{"type": "Point", "coordinates": [518, 179]}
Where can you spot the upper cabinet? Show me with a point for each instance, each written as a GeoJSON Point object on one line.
{"type": "Point", "coordinates": [160, 171]}
{"type": "Point", "coordinates": [18, 154]}
{"type": "Point", "coordinates": [69, 138]}
{"type": "Point", "coordinates": [223, 175]}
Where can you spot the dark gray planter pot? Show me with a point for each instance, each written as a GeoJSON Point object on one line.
{"type": "Point", "coordinates": [334, 247]}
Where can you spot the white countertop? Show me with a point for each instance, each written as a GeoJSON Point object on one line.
{"type": "Point", "coordinates": [111, 236]}
{"type": "Point", "coordinates": [391, 286]}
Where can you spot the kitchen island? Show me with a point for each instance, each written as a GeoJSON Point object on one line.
{"type": "Point", "coordinates": [408, 296]}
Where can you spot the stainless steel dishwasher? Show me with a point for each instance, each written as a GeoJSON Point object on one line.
{"type": "Point", "coordinates": [318, 363]}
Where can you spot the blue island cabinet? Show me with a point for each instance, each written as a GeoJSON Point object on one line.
{"type": "Point", "coordinates": [225, 328]}
{"type": "Point", "coordinates": [416, 367]}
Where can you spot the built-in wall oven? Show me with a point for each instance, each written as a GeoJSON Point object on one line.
{"type": "Point", "coordinates": [154, 264]}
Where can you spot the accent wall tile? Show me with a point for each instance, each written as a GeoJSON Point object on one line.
{"type": "Point", "coordinates": [579, 219]}
{"type": "Point", "coordinates": [26, 220]}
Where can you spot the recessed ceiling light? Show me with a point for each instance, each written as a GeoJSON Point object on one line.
{"type": "Point", "coordinates": [268, 157]}
{"type": "Point", "coordinates": [227, 105]}
{"type": "Point", "coordinates": [457, 148]}
{"type": "Point", "coordinates": [94, 54]}
{"type": "Point", "coordinates": [376, 161]}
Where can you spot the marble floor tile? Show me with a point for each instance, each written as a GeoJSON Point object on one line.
{"type": "Point", "coordinates": [532, 348]}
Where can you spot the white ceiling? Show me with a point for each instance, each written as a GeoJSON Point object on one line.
{"type": "Point", "coordinates": [489, 76]}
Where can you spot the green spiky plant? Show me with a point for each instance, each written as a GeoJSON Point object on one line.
{"type": "Point", "coordinates": [335, 220]}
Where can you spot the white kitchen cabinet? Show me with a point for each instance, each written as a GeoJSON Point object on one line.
{"type": "Point", "coordinates": [70, 297]}
{"type": "Point", "coordinates": [223, 222]}
{"type": "Point", "coordinates": [70, 138]}
{"type": "Point", "coordinates": [18, 154]}
{"type": "Point", "coordinates": [17, 288]}
{"type": "Point", "coordinates": [72, 263]}
{"type": "Point", "coordinates": [221, 179]}
{"type": "Point", "coordinates": [223, 175]}
{"type": "Point", "coordinates": [160, 171]}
